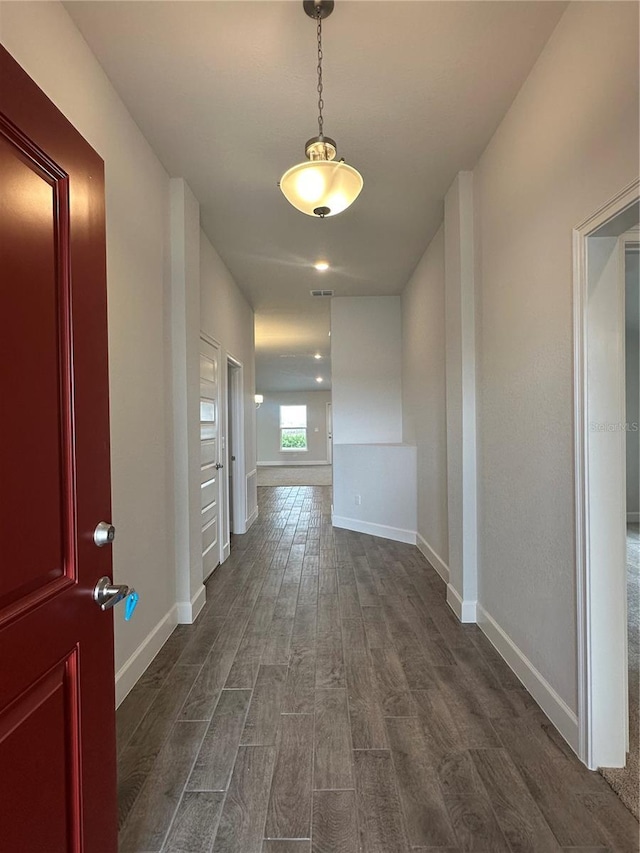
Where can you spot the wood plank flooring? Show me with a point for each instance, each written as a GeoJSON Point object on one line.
{"type": "Point", "coordinates": [328, 701]}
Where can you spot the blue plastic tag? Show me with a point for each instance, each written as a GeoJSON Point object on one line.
{"type": "Point", "coordinates": [130, 604]}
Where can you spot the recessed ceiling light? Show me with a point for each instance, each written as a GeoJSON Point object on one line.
{"type": "Point", "coordinates": [319, 379]}
{"type": "Point", "coordinates": [317, 356]}
{"type": "Point", "coordinates": [321, 266]}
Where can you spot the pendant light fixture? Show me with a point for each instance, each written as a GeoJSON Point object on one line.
{"type": "Point", "coordinates": [321, 186]}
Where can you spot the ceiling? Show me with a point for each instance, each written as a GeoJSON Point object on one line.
{"type": "Point", "coordinates": [225, 92]}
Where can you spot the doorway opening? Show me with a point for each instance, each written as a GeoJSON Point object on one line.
{"type": "Point", "coordinates": [625, 780]}
{"type": "Point", "coordinates": [293, 436]}
{"type": "Point", "coordinates": [602, 430]}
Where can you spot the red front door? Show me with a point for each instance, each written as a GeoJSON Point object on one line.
{"type": "Point", "coordinates": [57, 732]}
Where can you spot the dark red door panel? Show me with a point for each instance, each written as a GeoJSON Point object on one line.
{"type": "Point", "coordinates": [42, 723]}
{"type": "Point", "coordinates": [57, 731]}
{"type": "Point", "coordinates": [35, 370]}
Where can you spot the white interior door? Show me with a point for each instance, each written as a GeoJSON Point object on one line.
{"type": "Point", "coordinates": [209, 457]}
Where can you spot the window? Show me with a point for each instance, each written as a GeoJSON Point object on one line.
{"type": "Point", "coordinates": [293, 428]}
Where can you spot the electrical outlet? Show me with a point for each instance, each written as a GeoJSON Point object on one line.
{"type": "Point", "coordinates": [357, 499]}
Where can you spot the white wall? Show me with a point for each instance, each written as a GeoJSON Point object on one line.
{"type": "Point", "coordinates": [374, 489]}
{"type": "Point", "coordinates": [227, 317]}
{"type": "Point", "coordinates": [424, 396]}
{"type": "Point", "coordinates": [632, 276]}
{"type": "Point", "coordinates": [369, 459]}
{"type": "Point", "coordinates": [268, 426]}
{"type": "Point", "coordinates": [43, 39]}
{"type": "Point", "coordinates": [366, 369]}
{"type": "Point", "coordinates": [568, 144]}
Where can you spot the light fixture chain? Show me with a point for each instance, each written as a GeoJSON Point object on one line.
{"type": "Point", "coordinates": [320, 86]}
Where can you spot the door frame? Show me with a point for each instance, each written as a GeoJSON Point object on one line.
{"type": "Point", "coordinates": [222, 443]}
{"type": "Point", "coordinates": [601, 634]}
{"type": "Point", "coordinates": [329, 431]}
{"type": "Point", "coordinates": [230, 397]}
{"type": "Point", "coordinates": [234, 399]}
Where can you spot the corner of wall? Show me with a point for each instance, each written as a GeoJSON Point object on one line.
{"type": "Point", "coordinates": [133, 668]}
{"type": "Point", "coordinates": [563, 718]}
{"type": "Point", "coordinates": [183, 395]}
{"type": "Point", "coordinates": [432, 557]}
{"type": "Point", "coordinates": [466, 611]}
{"type": "Point", "coordinates": [460, 298]}
{"type": "Point", "coordinates": [188, 611]}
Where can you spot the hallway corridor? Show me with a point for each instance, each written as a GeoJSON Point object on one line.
{"type": "Point", "coordinates": [328, 700]}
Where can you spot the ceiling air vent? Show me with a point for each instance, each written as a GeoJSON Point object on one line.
{"type": "Point", "coordinates": [321, 292]}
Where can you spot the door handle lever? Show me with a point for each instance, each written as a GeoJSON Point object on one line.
{"type": "Point", "coordinates": [106, 595]}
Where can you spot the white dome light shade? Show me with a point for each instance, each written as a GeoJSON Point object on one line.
{"type": "Point", "coordinates": [321, 187]}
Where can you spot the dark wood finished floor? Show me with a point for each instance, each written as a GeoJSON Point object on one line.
{"type": "Point", "coordinates": [328, 701]}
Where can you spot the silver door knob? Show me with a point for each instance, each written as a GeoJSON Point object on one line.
{"type": "Point", "coordinates": [107, 594]}
{"type": "Point", "coordinates": [104, 534]}
{"type": "Point", "coordinates": [219, 466]}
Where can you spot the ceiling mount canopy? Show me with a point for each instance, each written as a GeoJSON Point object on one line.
{"type": "Point", "coordinates": [318, 8]}
{"type": "Point", "coordinates": [321, 186]}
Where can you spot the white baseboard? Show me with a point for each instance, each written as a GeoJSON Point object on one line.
{"type": "Point", "coordinates": [251, 499]}
{"type": "Point", "coordinates": [134, 667]}
{"type": "Point", "coordinates": [433, 558]}
{"type": "Point", "coordinates": [633, 517]}
{"type": "Point", "coordinates": [397, 534]}
{"type": "Point", "coordinates": [466, 611]}
{"type": "Point", "coordinates": [563, 718]}
{"type": "Point", "coordinates": [188, 610]}
{"type": "Point", "coordinates": [293, 463]}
